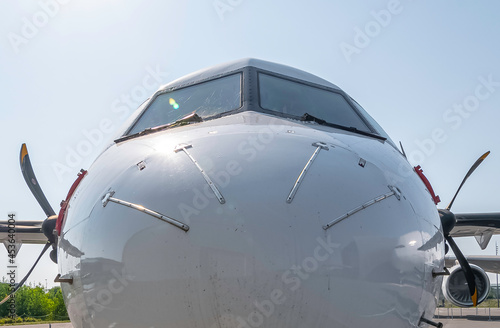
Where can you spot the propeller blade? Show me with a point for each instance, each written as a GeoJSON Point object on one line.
{"type": "Point", "coordinates": [469, 275]}
{"type": "Point", "coordinates": [32, 182]}
{"type": "Point", "coordinates": [471, 170]}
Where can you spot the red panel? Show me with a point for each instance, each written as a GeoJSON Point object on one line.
{"type": "Point", "coordinates": [64, 203]}
{"type": "Point", "coordinates": [420, 173]}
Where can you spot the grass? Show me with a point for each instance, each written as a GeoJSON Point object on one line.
{"type": "Point", "coordinates": [35, 323]}
{"type": "Point", "coordinates": [489, 303]}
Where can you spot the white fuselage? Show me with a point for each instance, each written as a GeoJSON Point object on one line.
{"type": "Point", "coordinates": [266, 256]}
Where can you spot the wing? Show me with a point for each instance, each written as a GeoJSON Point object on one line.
{"type": "Point", "coordinates": [489, 263]}
{"type": "Point", "coordinates": [480, 225]}
{"type": "Point", "coordinates": [25, 232]}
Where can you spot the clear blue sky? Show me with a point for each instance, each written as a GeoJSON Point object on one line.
{"type": "Point", "coordinates": [423, 69]}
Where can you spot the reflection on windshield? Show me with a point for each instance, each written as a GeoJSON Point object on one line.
{"type": "Point", "coordinates": [296, 99]}
{"type": "Point", "coordinates": [205, 99]}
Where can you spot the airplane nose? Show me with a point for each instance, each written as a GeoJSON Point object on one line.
{"type": "Point", "coordinates": [209, 227]}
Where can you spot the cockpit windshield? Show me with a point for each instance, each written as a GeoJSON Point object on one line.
{"type": "Point", "coordinates": [280, 96]}
{"type": "Point", "coordinates": [205, 99]}
{"type": "Point", "coordinates": [296, 99]}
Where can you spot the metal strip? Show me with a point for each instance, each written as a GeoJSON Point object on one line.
{"type": "Point", "coordinates": [205, 175]}
{"type": "Point", "coordinates": [67, 280]}
{"type": "Point", "coordinates": [365, 205]}
{"type": "Point", "coordinates": [108, 198]}
{"type": "Point", "coordinates": [319, 146]}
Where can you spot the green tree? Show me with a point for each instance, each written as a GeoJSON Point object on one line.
{"type": "Point", "coordinates": [33, 302]}
{"type": "Point", "coordinates": [59, 309]}
{"type": "Point", "coordinates": [4, 308]}
{"type": "Point", "coordinates": [22, 297]}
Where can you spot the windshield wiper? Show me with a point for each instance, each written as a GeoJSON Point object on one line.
{"type": "Point", "coordinates": [190, 118]}
{"type": "Point", "coordinates": [310, 118]}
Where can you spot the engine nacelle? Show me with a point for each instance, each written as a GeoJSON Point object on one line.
{"type": "Point", "coordinates": [456, 290]}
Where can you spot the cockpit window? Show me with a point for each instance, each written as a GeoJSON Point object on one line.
{"type": "Point", "coordinates": [296, 99]}
{"type": "Point", "coordinates": [373, 123]}
{"type": "Point", "coordinates": [205, 99]}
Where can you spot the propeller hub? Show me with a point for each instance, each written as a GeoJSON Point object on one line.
{"type": "Point", "coordinates": [448, 221]}
{"type": "Point", "coordinates": [48, 227]}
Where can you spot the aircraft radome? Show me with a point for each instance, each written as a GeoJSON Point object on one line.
{"type": "Point", "coordinates": [253, 194]}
